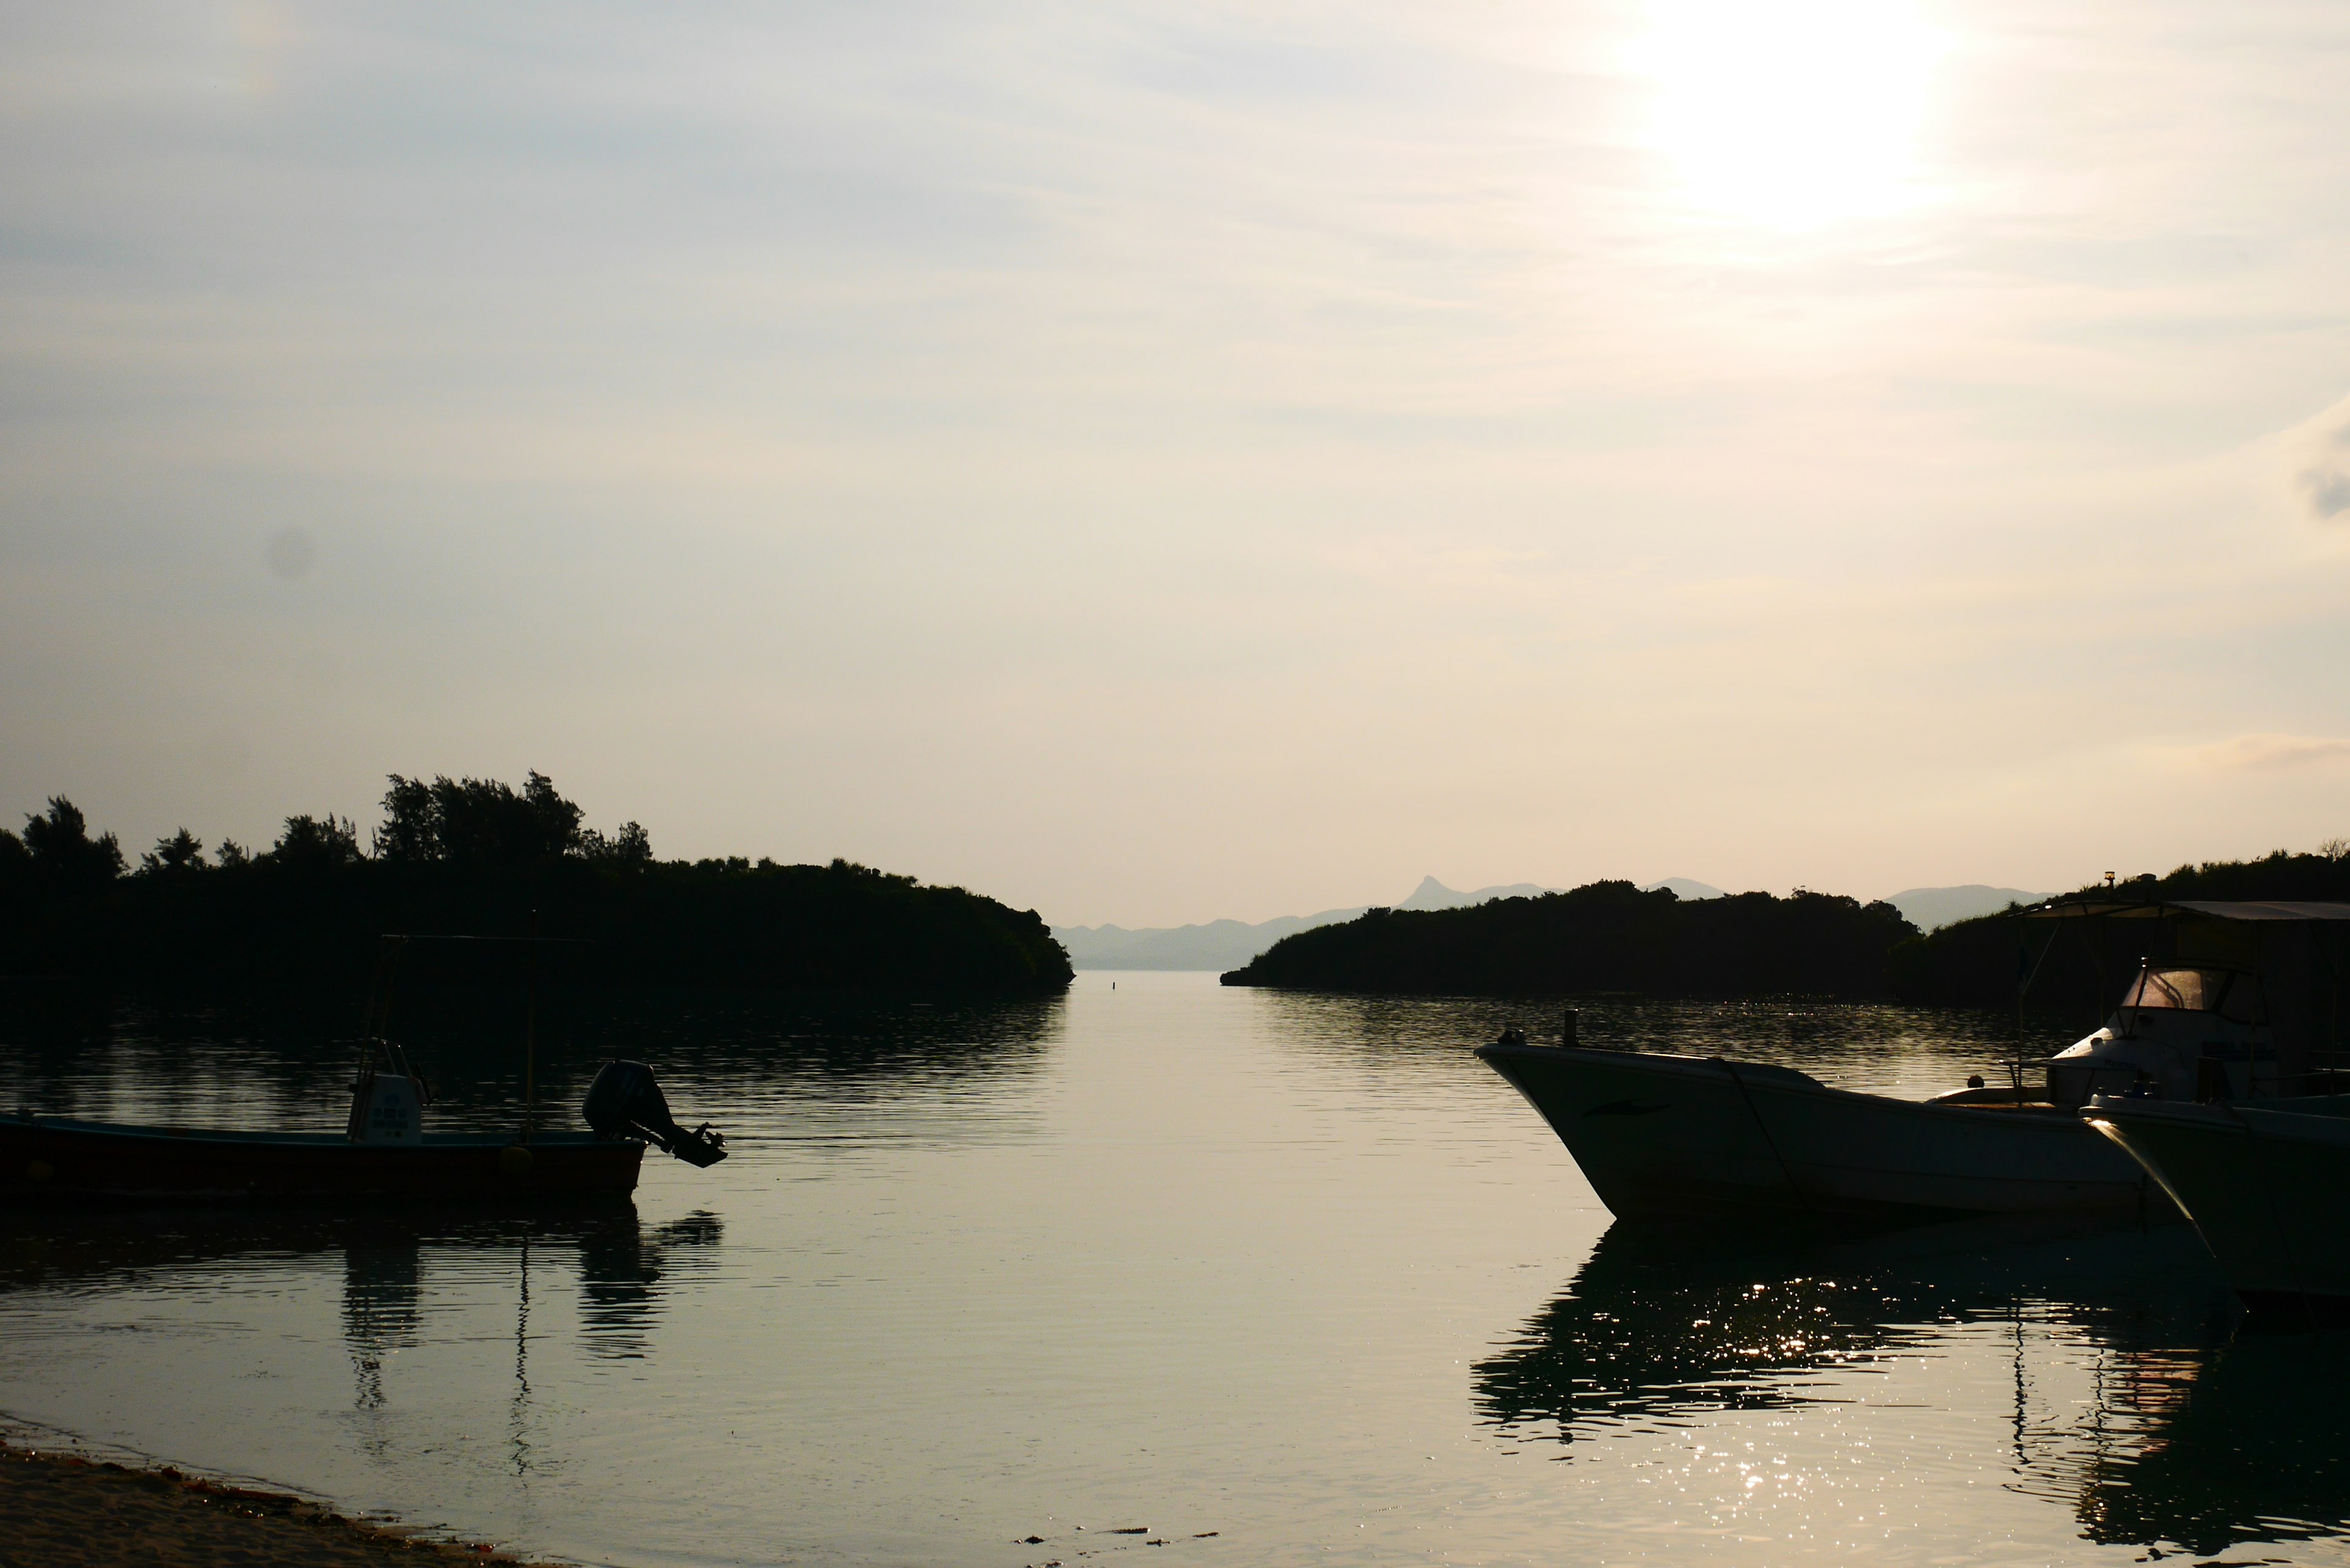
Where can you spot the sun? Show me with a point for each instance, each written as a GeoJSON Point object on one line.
{"type": "Point", "coordinates": [1790, 113]}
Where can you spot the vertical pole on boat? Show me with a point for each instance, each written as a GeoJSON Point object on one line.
{"type": "Point", "coordinates": [530, 1038]}
{"type": "Point", "coordinates": [2024, 969]}
{"type": "Point", "coordinates": [2097, 1015]}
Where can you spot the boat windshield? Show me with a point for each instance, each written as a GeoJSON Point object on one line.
{"type": "Point", "coordinates": [2221, 991]}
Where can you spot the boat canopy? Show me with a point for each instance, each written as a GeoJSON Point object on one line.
{"type": "Point", "coordinates": [2226, 991]}
{"type": "Point", "coordinates": [2181, 908]}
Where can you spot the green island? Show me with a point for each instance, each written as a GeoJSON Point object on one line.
{"type": "Point", "coordinates": [479, 857]}
{"type": "Point", "coordinates": [1601, 937]}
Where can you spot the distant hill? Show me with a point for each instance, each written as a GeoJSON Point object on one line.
{"type": "Point", "coordinates": [1217, 945]}
{"type": "Point", "coordinates": [1931, 908]}
{"type": "Point", "coordinates": [1221, 945]}
{"type": "Point", "coordinates": [1683, 887]}
{"type": "Point", "coordinates": [1433, 894]}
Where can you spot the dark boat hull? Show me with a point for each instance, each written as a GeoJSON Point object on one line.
{"type": "Point", "coordinates": [48, 1159]}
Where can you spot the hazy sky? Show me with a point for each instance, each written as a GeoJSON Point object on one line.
{"type": "Point", "coordinates": [1154, 462]}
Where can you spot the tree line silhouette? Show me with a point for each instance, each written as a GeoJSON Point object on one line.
{"type": "Point", "coordinates": [477, 856]}
{"type": "Point", "coordinates": [1601, 937]}
{"type": "Point", "coordinates": [1612, 937]}
{"type": "Point", "coordinates": [2084, 964]}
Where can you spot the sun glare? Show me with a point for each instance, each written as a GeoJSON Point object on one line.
{"type": "Point", "coordinates": [1795, 113]}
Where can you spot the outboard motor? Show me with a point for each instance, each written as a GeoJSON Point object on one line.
{"type": "Point", "coordinates": [625, 1102]}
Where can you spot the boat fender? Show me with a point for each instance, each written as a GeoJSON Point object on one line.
{"type": "Point", "coordinates": [514, 1160]}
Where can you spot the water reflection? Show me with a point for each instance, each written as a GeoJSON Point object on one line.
{"type": "Point", "coordinates": [1663, 1326]}
{"type": "Point", "coordinates": [1869, 1047]}
{"type": "Point", "coordinates": [2251, 1444]}
{"type": "Point", "coordinates": [2193, 1430]}
{"type": "Point", "coordinates": [625, 1272]}
{"type": "Point", "coordinates": [1177, 1254]}
{"type": "Point", "coordinates": [383, 1295]}
{"type": "Point", "coordinates": [285, 1062]}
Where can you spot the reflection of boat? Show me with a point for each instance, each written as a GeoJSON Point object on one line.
{"type": "Point", "coordinates": [624, 1268]}
{"type": "Point", "coordinates": [384, 1151]}
{"type": "Point", "coordinates": [2187, 1429]}
{"type": "Point", "coordinates": [2254, 1448]}
{"type": "Point", "coordinates": [1665, 1137]}
{"type": "Point", "coordinates": [1662, 1327]}
{"type": "Point", "coordinates": [2263, 1184]}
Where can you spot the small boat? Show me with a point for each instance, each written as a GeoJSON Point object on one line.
{"type": "Point", "coordinates": [386, 1154]}
{"type": "Point", "coordinates": [2263, 1185]}
{"type": "Point", "coordinates": [383, 1151]}
{"type": "Point", "coordinates": [1685, 1137]}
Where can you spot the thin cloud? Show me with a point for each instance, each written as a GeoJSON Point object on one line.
{"type": "Point", "coordinates": [2262, 751]}
{"type": "Point", "coordinates": [2319, 454]}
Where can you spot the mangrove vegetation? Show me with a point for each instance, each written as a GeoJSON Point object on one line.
{"type": "Point", "coordinates": [479, 857]}
{"type": "Point", "coordinates": [1602, 937]}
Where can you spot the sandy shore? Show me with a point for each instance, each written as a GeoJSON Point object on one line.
{"type": "Point", "coordinates": [59, 1511]}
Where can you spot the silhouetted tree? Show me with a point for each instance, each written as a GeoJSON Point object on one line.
{"type": "Point", "coordinates": [631, 846]}
{"type": "Point", "coordinates": [477, 823]}
{"type": "Point", "coordinates": [65, 856]}
{"type": "Point", "coordinates": [231, 853]}
{"type": "Point", "coordinates": [182, 852]}
{"type": "Point", "coordinates": [317, 844]}
{"type": "Point", "coordinates": [409, 833]}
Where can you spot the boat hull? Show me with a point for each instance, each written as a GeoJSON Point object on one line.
{"type": "Point", "coordinates": [1678, 1137]}
{"type": "Point", "coordinates": [48, 1158]}
{"type": "Point", "coordinates": [2263, 1188]}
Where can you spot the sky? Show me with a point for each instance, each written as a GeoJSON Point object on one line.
{"type": "Point", "coordinates": [1151, 462]}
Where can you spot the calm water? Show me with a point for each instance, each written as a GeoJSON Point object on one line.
{"type": "Point", "coordinates": [1272, 1279]}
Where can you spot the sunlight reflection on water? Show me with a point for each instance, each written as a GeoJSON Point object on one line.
{"type": "Point", "coordinates": [1296, 1271]}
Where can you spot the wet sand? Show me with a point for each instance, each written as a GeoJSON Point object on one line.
{"type": "Point", "coordinates": [61, 1510]}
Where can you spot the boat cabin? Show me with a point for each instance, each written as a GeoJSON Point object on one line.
{"type": "Point", "coordinates": [2245, 1005]}
{"type": "Point", "coordinates": [2179, 1033]}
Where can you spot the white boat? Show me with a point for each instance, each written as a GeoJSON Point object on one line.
{"type": "Point", "coordinates": [1685, 1137]}
{"type": "Point", "coordinates": [2263, 1184]}
{"type": "Point", "coordinates": [1681, 1138]}
{"type": "Point", "coordinates": [2180, 1032]}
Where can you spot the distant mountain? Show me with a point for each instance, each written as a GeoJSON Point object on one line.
{"type": "Point", "coordinates": [1931, 909]}
{"type": "Point", "coordinates": [1221, 945]}
{"type": "Point", "coordinates": [1218, 945]}
{"type": "Point", "coordinates": [1433, 894]}
{"type": "Point", "coordinates": [1683, 887]}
